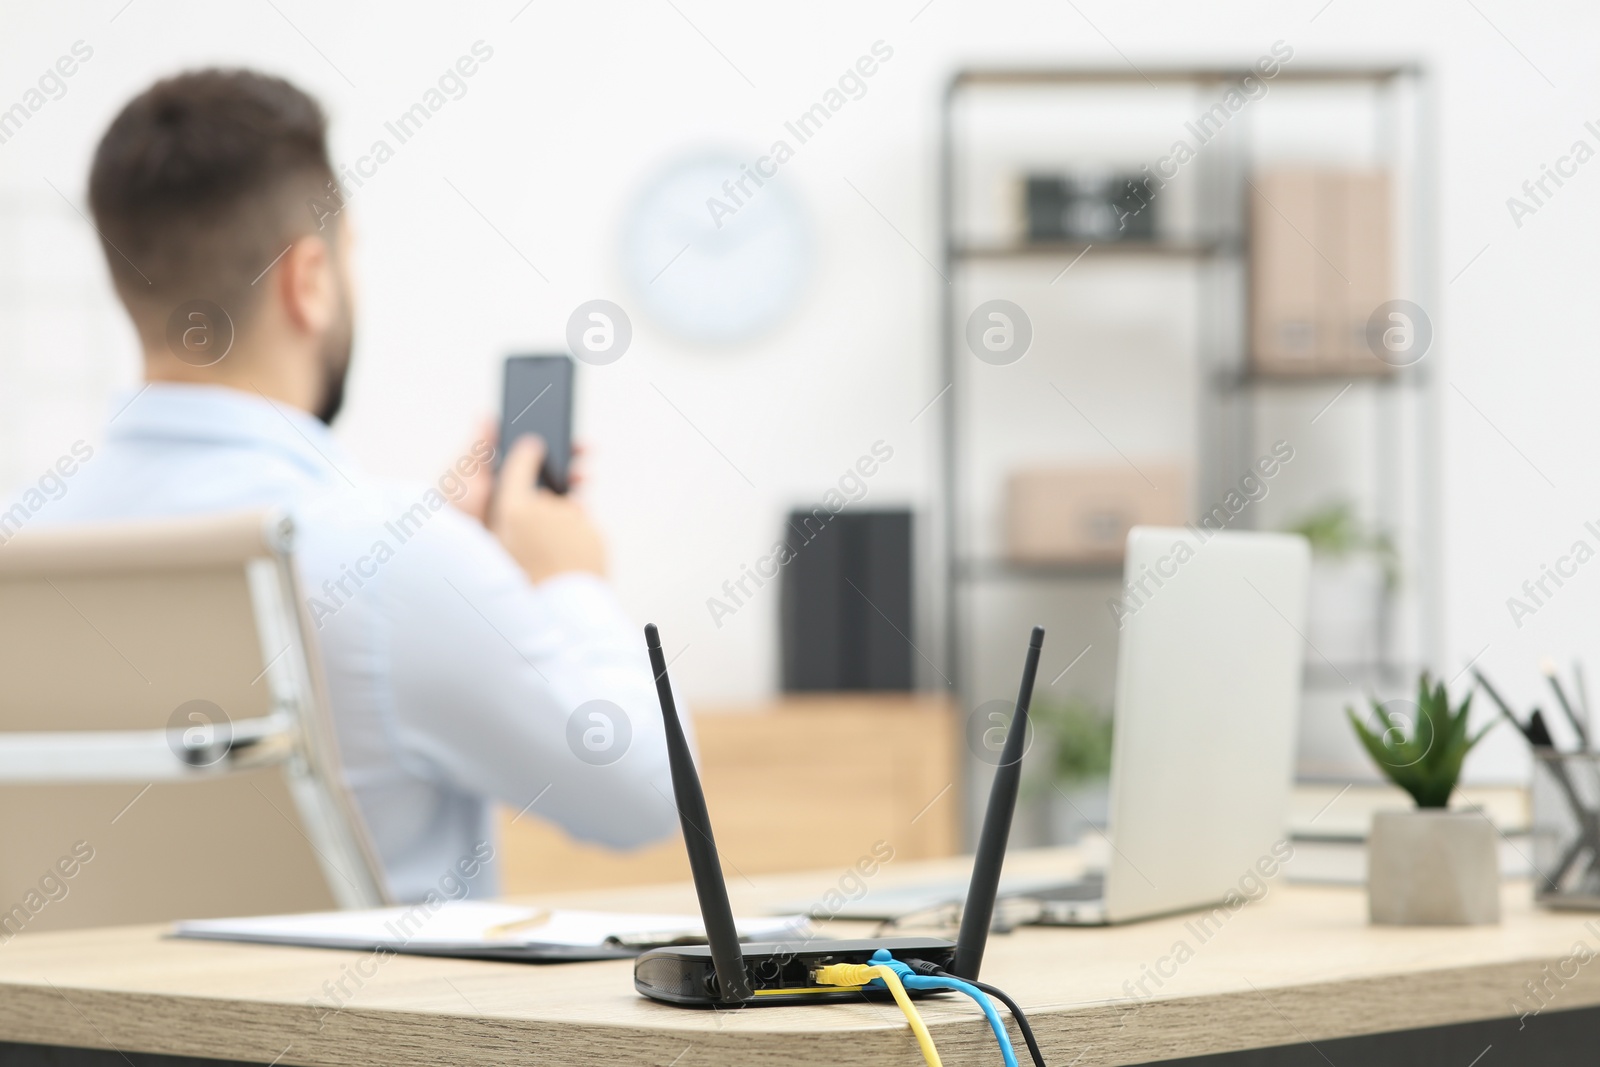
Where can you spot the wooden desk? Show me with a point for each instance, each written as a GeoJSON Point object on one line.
{"type": "Point", "coordinates": [1301, 965]}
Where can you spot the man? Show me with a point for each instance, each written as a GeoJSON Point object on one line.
{"type": "Point", "coordinates": [461, 659]}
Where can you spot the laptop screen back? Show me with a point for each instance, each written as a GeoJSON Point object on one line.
{"type": "Point", "coordinates": [1208, 688]}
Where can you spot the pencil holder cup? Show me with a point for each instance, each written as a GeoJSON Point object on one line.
{"type": "Point", "coordinates": [1566, 829]}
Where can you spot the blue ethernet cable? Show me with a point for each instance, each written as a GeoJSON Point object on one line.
{"type": "Point", "coordinates": [912, 980]}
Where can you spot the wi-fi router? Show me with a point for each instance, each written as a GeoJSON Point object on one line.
{"type": "Point", "coordinates": [723, 973]}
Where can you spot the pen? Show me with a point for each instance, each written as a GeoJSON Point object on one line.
{"type": "Point", "coordinates": [1539, 732]}
{"type": "Point", "coordinates": [1583, 691]}
{"type": "Point", "coordinates": [539, 917]}
{"type": "Point", "coordinates": [1548, 666]}
{"type": "Point", "coordinates": [1501, 704]}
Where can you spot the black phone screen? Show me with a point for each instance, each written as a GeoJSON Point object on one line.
{"type": "Point", "coordinates": [538, 400]}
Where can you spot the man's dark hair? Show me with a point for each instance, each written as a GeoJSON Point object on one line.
{"type": "Point", "coordinates": [201, 181]}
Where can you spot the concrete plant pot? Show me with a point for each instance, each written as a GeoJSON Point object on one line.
{"type": "Point", "coordinates": [1076, 808]}
{"type": "Point", "coordinates": [1348, 598]}
{"type": "Point", "coordinates": [1432, 866]}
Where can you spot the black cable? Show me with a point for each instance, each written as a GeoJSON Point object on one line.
{"type": "Point", "coordinates": [1017, 1014]}
{"type": "Point", "coordinates": [924, 967]}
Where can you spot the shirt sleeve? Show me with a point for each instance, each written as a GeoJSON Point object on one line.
{"type": "Point", "coordinates": [538, 696]}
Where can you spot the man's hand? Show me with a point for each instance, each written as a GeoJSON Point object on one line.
{"type": "Point", "coordinates": [479, 493]}
{"type": "Point", "coordinates": [545, 533]}
{"type": "Point", "coordinates": [480, 486]}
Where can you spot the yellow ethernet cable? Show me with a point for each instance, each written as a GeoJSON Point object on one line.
{"type": "Point", "coordinates": [859, 974]}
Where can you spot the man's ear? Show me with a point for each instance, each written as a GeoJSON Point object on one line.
{"type": "Point", "coordinates": [308, 286]}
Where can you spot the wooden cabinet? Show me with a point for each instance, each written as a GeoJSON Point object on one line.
{"type": "Point", "coordinates": [800, 783]}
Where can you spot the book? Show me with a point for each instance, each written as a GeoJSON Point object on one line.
{"type": "Point", "coordinates": [1341, 811]}
{"type": "Point", "coordinates": [1330, 821]}
{"type": "Point", "coordinates": [1329, 862]}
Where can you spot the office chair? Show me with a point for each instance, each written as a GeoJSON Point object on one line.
{"type": "Point", "coordinates": [164, 733]}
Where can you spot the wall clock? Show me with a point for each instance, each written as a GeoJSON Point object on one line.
{"type": "Point", "coordinates": [714, 255]}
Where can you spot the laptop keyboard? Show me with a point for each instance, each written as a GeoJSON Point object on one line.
{"type": "Point", "coordinates": [1089, 887]}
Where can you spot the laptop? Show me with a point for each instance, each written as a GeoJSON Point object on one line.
{"type": "Point", "coordinates": [1208, 687]}
{"type": "Point", "coordinates": [1208, 690]}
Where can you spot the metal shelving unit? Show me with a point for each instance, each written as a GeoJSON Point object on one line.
{"type": "Point", "coordinates": [1072, 249]}
{"type": "Point", "coordinates": [1234, 403]}
{"type": "Point", "coordinates": [999, 569]}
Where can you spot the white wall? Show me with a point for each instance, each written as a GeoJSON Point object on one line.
{"type": "Point", "coordinates": [581, 103]}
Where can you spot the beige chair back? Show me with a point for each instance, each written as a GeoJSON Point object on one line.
{"type": "Point", "coordinates": [165, 751]}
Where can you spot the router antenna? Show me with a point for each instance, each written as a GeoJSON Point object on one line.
{"type": "Point", "coordinates": [715, 910]}
{"type": "Point", "coordinates": [978, 912]}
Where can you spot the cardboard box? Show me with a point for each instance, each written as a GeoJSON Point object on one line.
{"type": "Point", "coordinates": [1321, 261]}
{"type": "Point", "coordinates": [1083, 514]}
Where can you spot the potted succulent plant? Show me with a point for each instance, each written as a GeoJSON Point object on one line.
{"type": "Point", "coordinates": [1354, 571]}
{"type": "Point", "coordinates": [1078, 735]}
{"type": "Point", "coordinates": [1430, 865]}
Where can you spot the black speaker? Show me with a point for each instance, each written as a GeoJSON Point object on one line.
{"type": "Point", "coordinates": [846, 601]}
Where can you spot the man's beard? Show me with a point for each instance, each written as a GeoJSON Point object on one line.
{"type": "Point", "coordinates": [335, 360]}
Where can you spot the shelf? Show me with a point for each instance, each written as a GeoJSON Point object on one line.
{"type": "Point", "coordinates": [1240, 380]}
{"type": "Point", "coordinates": [993, 570]}
{"type": "Point", "coordinates": [1074, 249]}
{"type": "Point", "coordinates": [1174, 75]}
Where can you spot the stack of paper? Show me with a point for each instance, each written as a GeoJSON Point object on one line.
{"type": "Point", "coordinates": [484, 930]}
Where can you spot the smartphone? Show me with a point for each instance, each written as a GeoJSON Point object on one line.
{"type": "Point", "coordinates": [538, 400]}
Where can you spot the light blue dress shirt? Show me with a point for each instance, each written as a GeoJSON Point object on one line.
{"type": "Point", "coordinates": [454, 681]}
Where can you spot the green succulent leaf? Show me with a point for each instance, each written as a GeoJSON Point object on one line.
{"type": "Point", "coordinates": [1424, 757]}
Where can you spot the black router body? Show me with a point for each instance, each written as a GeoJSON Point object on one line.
{"type": "Point", "coordinates": [723, 973]}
